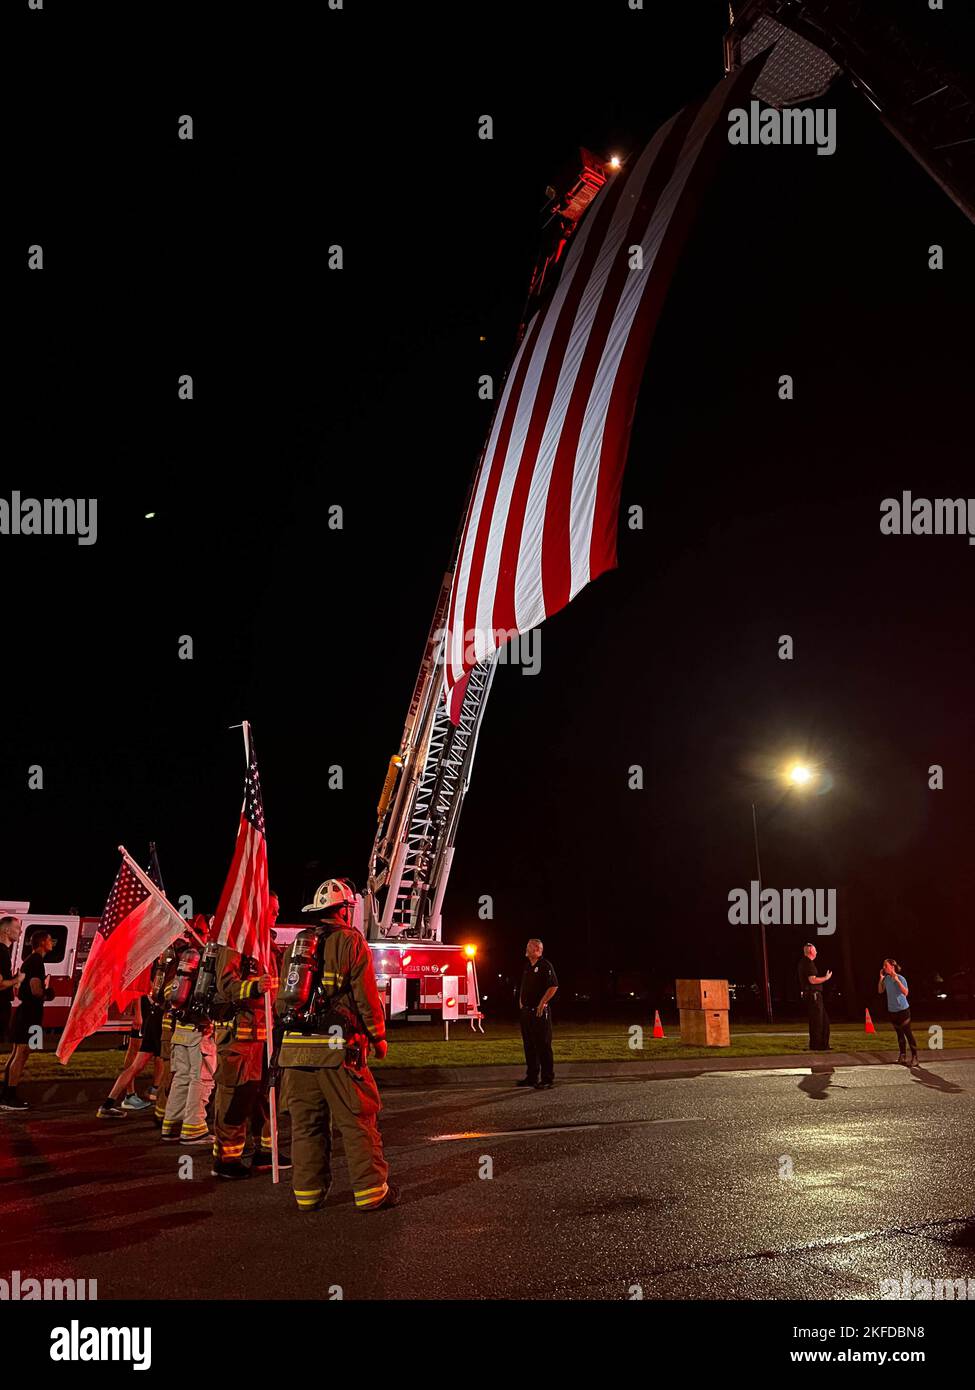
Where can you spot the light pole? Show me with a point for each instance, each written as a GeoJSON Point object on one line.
{"type": "Point", "coordinates": [758, 869]}
{"type": "Point", "coordinates": [799, 775]}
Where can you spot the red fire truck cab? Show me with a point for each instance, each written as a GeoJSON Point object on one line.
{"type": "Point", "coordinates": [418, 979]}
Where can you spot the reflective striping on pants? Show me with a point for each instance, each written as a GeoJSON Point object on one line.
{"type": "Point", "coordinates": [309, 1040]}
{"type": "Point", "coordinates": [370, 1196]}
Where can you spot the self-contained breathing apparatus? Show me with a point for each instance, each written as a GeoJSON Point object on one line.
{"type": "Point", "coordinates": [182, 1001]}
{"type": "Point", "coordinates": [195, 998]}
{"type": "Point", "coordinates": [304, 1006]}
{"type": "Point", "coordinates": [163, 969]}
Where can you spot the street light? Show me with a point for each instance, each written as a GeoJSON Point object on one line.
{"type": "Point", "coordinates": [800, 776]}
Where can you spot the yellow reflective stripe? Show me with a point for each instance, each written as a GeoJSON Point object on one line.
{"type": "Point", "coordinates": [303, 1039]}
{"type": "Point", "coordinates": [371, 1201]}
{"type": "Point", "coordinates": [368, 1191]}
{"type": "Point", "coordinates": [308, 1191]}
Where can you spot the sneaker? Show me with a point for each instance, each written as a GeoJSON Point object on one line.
{"type": "Point", "coordinates": [390, 1200]}
{"type": "Point", "coordinates": [545, 1086]}
{"type": "Point", "coordinates": [526, 1082]}
{"type": "Point", "coordinates": [11, 1101]}
{"type": "Point", "coordinates": [196, 1139]}
{"type": "Point", "coordinates": [229, 1170]}
{"type": "Point", "coordinates": [134, 1102]}
{"type": "Point", "coordinates": [914, 1061]}
{"type": "Point", "coordinates": [902, 1060]}
{"type": "Point", "coordinates": [110, 1110]}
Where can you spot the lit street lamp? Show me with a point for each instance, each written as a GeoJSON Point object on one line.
{"type": "Point", "coordinates": [801, 776]}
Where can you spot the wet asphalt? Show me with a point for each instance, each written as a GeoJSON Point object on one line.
{"type": "Point", "coordinates": [732, 1185]}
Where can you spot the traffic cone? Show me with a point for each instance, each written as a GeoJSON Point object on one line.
{"type": "Point", "coordinates": [869, 1028]}
{"type": "Point", "coordinates": [658, 1027]}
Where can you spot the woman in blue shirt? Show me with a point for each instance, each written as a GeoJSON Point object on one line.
{"type": "Point", "coordinates": [895, 987]}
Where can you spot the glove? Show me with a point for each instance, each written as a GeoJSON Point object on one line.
{"type": "Point", "coordinates": [381, 1047]}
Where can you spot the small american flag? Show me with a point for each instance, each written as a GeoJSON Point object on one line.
{"type": "Point", "coordinates": [241, 919]}
{"type": "Point", "coordinates": [135, 927]}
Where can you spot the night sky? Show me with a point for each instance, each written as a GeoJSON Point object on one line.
{"type": "Point", "coordinates": [359, 388]}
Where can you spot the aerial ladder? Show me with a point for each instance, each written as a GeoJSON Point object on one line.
{"type": "Point", "coordinates": [905, 72]}
{"type": "Point", "coordinates": [903, 58]}
{"type": "Point", "coordinates": [428, 777]}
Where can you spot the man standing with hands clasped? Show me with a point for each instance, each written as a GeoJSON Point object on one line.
{"type": "Point", "coordinates": [538, 987]}
{"type": "Point", "coordinates": [811, 985]}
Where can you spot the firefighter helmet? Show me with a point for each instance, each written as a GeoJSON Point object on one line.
{"type": "Point", "coordinates": [334, 892]}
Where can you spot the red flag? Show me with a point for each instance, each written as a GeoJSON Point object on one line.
{"type": "Point", "coordinates": [241, 919]}
{"type": "Point", "coordinates": [136, 926]}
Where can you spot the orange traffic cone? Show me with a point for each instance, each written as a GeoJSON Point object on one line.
{"type": "Point", "coordinates": [658, 1027]}
{"type": "Point", "coordinates": [869, 1024]}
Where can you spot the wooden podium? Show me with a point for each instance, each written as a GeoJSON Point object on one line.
{"type": "Point", "coordinates": [703, 1006]}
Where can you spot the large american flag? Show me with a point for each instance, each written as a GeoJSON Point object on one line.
{"type": "Point", "coordinates": [543, 514]}
{"type": "Point", "coordinates": [241, 917]}
{"type": "Point", "coordinates": [136, 926]}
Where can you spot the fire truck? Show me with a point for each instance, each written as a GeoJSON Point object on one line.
{"type": "Point", "coordinates": [416, 981]}
{"type": "Point", "coordinates": [73, 936]}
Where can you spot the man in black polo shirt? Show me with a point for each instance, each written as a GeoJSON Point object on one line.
{"type": "Point", "coordinates": [811, 984]}
{"type": "Point", "coordinates": [34, 990]}
{"type": "Point", "coordinates": [538, 986]}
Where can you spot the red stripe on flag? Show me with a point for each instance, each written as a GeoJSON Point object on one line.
{"type": "Point", "coordinates": [493, 483]}
{"type": "Point", "coordinates": [504, 597]}
{"type": "Point", "coordinates": [556, 555]}
{"type": "Point", "coordinates": [622, 405]}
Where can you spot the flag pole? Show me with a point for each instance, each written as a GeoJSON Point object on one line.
{"type": "Point", "coordinates": [147, 882]}
{"type": "Point", "coordinates": [268, 1019]}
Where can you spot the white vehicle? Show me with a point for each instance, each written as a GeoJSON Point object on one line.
{"type": "Point", "coordinates": [73, 936]}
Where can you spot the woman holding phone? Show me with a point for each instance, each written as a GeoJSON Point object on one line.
{"type": "Point", "coordinates": [894, 986]}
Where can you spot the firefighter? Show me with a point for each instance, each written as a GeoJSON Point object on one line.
{"type": "Point", "coordinates": [193, 1059]}
{"type": "Point", "coordinates": [241, 1037]}
{"type": "Point", "coordinates": [330, 1007]}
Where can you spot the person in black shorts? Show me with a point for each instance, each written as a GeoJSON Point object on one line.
{"type": "Point", "coordinates": [123, 1096]}
{"type": "Point", "coordinates": [538, 987]}
{"type": "Point", "coordinates": [28, 1024]}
